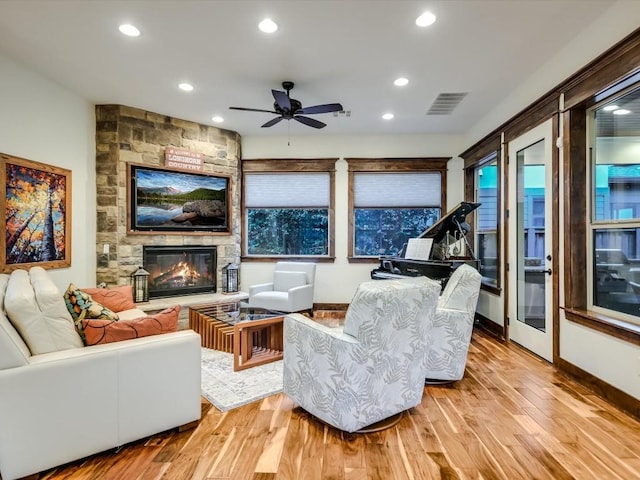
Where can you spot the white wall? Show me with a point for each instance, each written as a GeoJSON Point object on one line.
{"type": "Point", "coordinates": [613, 360]}
{"type": "Point", "coordinates": [336, 282]}
{"type": "Point", "coordinates": [41, 121]}
{"type": "Point", "coordinates": [616, 23]}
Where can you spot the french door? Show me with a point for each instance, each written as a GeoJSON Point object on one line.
{"type": "Point", "coordinates": [530, 275]}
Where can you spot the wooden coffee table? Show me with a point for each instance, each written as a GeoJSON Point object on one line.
{"type": "Point", "coordinates": [254, 336]}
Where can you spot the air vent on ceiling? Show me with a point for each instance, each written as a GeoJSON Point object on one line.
{"type": "Point", "coordinates": [445, 103]}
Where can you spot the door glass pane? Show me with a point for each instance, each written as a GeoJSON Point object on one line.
{"type": "Point", "coordinates": [530, 217]}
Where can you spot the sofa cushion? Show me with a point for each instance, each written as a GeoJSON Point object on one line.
{"type": "Point", "coordinates": [13, 351]}
{"type": "Point", "coordinates": [82, 305]}
{"type": "Point", "coordinates": [283, 281]}
{"type": "Point", "coordinates": [116, 299]}
{"type": "Point", "coordinates": [35, 308]}
{"type": "Point", "coordinates": [131, 314]}
{"type": "Point", "coordinates": [107, 331]}
{"type": "Point", "coordinates": [52, 306]}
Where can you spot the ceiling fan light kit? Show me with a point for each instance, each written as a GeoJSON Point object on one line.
{"type": "Point", "coordinates": [288, 108]}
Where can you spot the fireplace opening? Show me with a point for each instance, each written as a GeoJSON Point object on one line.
{"type": "Point", "coordinates": [175, 271]}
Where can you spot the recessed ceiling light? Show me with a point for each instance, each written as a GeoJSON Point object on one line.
{"type": "Point", "coordinates": [187, 87]}
{"type": "Point", "coordinates": [609, 108]}
{"type": "Point", "coordinates": [426, 19]}
{"type": "Point", "coordinates": [401, 82]}
{"type": "Point", "coordinates": [621, 111]}
{"type": "Point", "coordinates": [217, 119]}
{"type": "Point", "coordinates": [268, 26]}
{"type": "Point", "coordinates": [387, 116]}
{"type": "Point", "coordinates": [129, 30]}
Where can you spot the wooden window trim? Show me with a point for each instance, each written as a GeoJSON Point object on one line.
{"type": "Point", "coordinates": [288, 165]}
{"type": "Point", "coordinates": [363, 165]}
{"type": "Point", "coordinates": [620, 329]}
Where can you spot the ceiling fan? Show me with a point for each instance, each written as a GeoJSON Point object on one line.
{"type": "Point", "coordinates": [289, 108]}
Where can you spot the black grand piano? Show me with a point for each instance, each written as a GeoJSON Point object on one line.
{"type": "Point", "coordinates": [444, 256]}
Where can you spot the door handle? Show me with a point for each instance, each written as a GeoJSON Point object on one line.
{"type": "Point", "coordinates": [547, 271]}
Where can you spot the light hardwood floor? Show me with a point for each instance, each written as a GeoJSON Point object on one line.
{"type": "Point", "coordinates": [511, 417]}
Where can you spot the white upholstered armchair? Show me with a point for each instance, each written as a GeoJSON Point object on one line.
{"type": "Point", "coordinates": [371, 368]}
{"type": "Point", "coordinates": [452, 326]}
{"type": "Point", "coordinates": [290, 291]}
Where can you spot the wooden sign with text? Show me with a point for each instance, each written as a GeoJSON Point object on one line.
{"type": "Point", "coordinates": [183, 159]}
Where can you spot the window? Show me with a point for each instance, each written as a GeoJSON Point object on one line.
{"type": "Point", "coordinates": [487, 247]}
{"type": "Point", "coordinates": [288, 208]}
{"type": "Point", "coordinates": [482, 185]}
{"type": "Point", "coordinates": [391, 201]}
{"type": "Point", "coordinates": [614, 227]}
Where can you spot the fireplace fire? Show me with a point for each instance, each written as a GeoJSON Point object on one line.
{"type": "Point", "coordinates": [180, 270]}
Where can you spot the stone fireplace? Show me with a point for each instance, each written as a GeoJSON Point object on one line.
{"type": "Point", "coordinates": [129, 135]}
{"type": "Point", "coordinates": [176, 271]}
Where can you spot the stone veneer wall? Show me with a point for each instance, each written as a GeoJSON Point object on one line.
{"type": "Point", "coordinates": [130, 135]}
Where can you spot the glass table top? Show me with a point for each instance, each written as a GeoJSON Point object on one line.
{"type": "Point", "coordinates": [235, 312]}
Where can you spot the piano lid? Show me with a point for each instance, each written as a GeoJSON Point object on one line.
{"type": "Point", "coordinates": [454, 223]}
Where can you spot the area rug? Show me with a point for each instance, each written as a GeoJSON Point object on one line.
{"type": "Point", "coordinates": [227, 389]}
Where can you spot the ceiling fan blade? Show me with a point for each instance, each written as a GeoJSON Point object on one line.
{"type": "Point", "coordinates": [272, 122]}
{"type": "Point", "coordinates": [252, 109]}
{"type": "Point", "coordinates": [312, 122]}
{"type": "Point", "coordinates": [282, 99]}
{"type": "Point", "coordinates": [326, 108]}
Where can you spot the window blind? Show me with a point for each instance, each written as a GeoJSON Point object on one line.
{"type": "Point", "coordinates": [411, 189]}
{"type": "Point", "coordinates": [287, 189]}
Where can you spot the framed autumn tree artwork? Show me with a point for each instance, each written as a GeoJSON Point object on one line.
{"type": "Point", "coordinates": [35, 202]}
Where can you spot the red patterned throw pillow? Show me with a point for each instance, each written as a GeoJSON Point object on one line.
{"type": "Point", "coordinates": [108, 331]}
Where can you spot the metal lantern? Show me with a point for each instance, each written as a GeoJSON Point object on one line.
{"type": "Point", "coordinates": [230, 278]}
{"type": "Point", "coordinates": [140, 282]}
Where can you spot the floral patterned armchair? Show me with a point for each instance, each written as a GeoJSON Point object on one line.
{"type": "Point", "coordinates": [452, 326]}
{"type": "Point", "coordinates": [371, 368]}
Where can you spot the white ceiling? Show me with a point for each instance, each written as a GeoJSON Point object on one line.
{"type": "Point", "coordinates": [346, 51]}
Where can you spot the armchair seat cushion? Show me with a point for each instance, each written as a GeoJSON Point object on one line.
{"type": "Point", "coordinates": [278, 301]}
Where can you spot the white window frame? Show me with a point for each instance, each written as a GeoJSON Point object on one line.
{"type": "Point", "coordinates": [591, 224]}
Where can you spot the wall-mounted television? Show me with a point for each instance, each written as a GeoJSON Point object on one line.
{"type": "Point", "coordinates": [172, 201]}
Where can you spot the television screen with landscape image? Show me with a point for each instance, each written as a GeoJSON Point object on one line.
{"type": "Point", "coordinates": [174, 201]}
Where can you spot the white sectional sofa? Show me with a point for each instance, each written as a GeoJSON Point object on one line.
{"type": "Point", "coordinates": [69, 401]}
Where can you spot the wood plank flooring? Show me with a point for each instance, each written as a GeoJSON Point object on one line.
{"type": "Point", "coordinates": [511, 417]}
